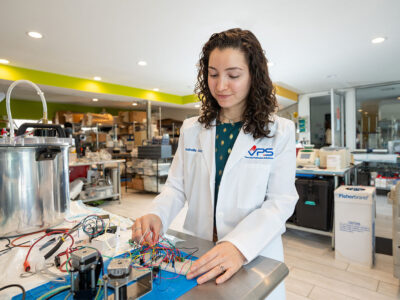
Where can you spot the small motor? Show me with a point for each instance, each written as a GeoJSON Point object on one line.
{"type": "Point", "coordinates": [120, 273]}
{"type": "Point", "coordinates": [86, 267]}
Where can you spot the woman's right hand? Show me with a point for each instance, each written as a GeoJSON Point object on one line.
{"type": "Point", "coordinates": [148, 226]}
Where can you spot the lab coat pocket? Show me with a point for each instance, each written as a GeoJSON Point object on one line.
{"type": "Point", "coordinates": [253, 185]}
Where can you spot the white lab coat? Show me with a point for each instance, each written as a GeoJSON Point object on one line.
{"type": "Point", "coordinates": [257, 192]}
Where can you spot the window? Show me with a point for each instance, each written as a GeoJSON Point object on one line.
{"type": "Point", "coordinates": [378, 116]}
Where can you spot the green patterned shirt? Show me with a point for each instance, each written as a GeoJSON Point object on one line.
{"type": "Point", "coordinates": [225, 137]}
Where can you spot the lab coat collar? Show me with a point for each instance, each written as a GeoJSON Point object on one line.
{"type": "Point", "coordinates": [207, 143]}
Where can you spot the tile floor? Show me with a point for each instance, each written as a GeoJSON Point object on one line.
{"type": "Point", "coordinates": [314, 272]}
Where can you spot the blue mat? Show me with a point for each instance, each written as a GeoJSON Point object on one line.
{"type": "Point", "coordinates": [163, 288]}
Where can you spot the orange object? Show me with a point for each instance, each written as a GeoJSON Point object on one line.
{"type": "Point", "coordinates": [27, 266]}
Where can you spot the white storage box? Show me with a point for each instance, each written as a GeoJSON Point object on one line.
{"type": "Point", "coordinates": [334, 158]}
{"type": "Point", "coordinates": [355, 224]}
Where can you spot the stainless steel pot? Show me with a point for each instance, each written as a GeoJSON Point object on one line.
{"type": "Point", "coordinates": [34, 181]}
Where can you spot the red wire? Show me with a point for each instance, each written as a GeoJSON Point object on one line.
{"type": "Point", "coordinates": [32, 233]}
{"type": "Point", "coordinates": [28, 234]}
{"type": "Point", "coordinates": [26, 263]}
{"type": "Point", "coordinates": [65, 262]}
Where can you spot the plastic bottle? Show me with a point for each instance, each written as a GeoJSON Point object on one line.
{"type": "Point", "coordinates": [317, 162]}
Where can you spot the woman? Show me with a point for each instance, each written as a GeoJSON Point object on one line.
{"type": "Point", "coordinates": [235, 164]}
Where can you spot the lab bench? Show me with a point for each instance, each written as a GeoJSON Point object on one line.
{"type": "Point", "coordinates": [255, 280]}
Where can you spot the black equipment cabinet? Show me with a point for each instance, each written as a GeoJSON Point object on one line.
{"type": "Point", "coordinates": [315, 206]}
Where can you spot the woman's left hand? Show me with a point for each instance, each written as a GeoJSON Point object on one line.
{"type": "Point", "coordinates": [222, 262]}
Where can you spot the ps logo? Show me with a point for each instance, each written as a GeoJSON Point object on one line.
{"type": "Point", "coordinates": [261, 152]}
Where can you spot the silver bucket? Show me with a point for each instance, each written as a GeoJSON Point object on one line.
{"type": "Point", "coordinates": [34, 187]}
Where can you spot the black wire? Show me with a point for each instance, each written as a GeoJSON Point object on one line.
{"type": "Point", "coordinates": [188, 248]}
{"type": "Point", "coordinates": [18, 235]}
{"type": "Point", "coordinates": [9, 248]}
{"type": "Point", "coordinates": [15, 285]}
{"type": "Point", "coordinates": [57, 293]}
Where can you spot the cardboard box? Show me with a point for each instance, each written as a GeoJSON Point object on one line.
{"type": "Point", "coordinates": [138, 184]}
{"type": "Point", "coordinates": [123, 130]}
{"type": "Point", "coordinates": [62, 117]}
{"type": "Point", "coordinates": [91, 119]}
{"type": "Point", "coordinates": [140, 136]}
{"type": "Point", "coordinates": [355, 209]}
{"type": "Point", "coordinates": [77, 118]}
{"type": "Point", "coordinates": [130, 129]}
{"type": "Point", "coordinates": [123, 116]}
{"type": "Point", "coordinates": [137, 116]}
{"type": "Point", "coordinates": [102, 137]}
{"type": "Point", "coordinates": [59, 117]}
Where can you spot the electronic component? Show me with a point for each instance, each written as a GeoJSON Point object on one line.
{"type": "Point", "coordinates": [104, 242]}
{"type": "Point", "coordinates": [306, 157]}
{"type": "Point", "coordinates": [120, 273]}
{"type": "Point", "coordinates": [112, 229]}
{"type": "Point", "coordinates": [85, 272]}
{"type": "Point", "coordinates": [156, 271]}
{"type": "Point", "coordinates": [177, 265]}
{"type": "Point", "coordinates": [57, 261]}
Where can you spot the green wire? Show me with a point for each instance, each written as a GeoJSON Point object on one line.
{"type": "Point", "coordinates": [66, 264]}
{"type": "Point", "coordinates": [98, 291]}
{"type": "Point", "coordinates": [50, 293]}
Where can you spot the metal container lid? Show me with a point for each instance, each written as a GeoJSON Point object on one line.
{"type": "Point", "coordinates": [20, 141]}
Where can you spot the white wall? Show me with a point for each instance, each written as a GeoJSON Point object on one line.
{"type": "Point", "coordinates": [288, 111]}
{"type": "Point", "coordinates": [350, 117]}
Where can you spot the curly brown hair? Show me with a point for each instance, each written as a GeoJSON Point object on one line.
{"type": "Point", "coordinates": [261, 101]}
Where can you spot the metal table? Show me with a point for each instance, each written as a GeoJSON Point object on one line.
{"type": "Point", "coordinates": [104, 162]}
{"type": "Point", "coordinates": [255, 280]}
{"type": "Point", "coordinates": [335, 173]}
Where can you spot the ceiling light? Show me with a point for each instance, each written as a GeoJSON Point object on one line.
{"type": "Point", "coordinates": [366, 112]}
{"type": "Point", "coordinates": [331, 76]}
{"type": "Point", "coordinates": [360, 110]}
{"type": "Point", "coordinates": [142, 63]}
{"type": "Point", "coordinates": [270, 64]}
{"type": "Point", "coordinates": [4, 61]}
{"type": "Point", "coordinates": [134, 104]}
{"type": "Point", "coordinates": [156, 89]}
{"type": "Point", "coordinates": [398, 98]}
{"type": "Point", "coordinates": [197, 105]}
{"type": "Point", "coordinates": [97, 78]}
{"type": "Point", "coordinates": [95, 99]}
{"type": "Point", "coordinates": [378, 40]}
{"type": "Point", "coordinates": [35, 35]}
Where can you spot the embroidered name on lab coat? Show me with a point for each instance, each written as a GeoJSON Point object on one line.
{"type": "Point", "coordinates": [193, 150]}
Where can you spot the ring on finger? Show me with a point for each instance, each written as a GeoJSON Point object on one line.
{"type": "Point", "coordinates": [222, 268]}
{"type": "Point", "coordinates": [137, 228]}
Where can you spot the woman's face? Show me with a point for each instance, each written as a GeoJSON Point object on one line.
{"type": "Point", "coordinates": [229, 78]}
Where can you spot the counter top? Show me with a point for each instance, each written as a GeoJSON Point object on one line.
{"type": "Point", "coordinates": [103, 162]}
{"type": "Point", "coordinates": [255, 280]}
{"type": "Point", "coordinates": [317, 171]}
